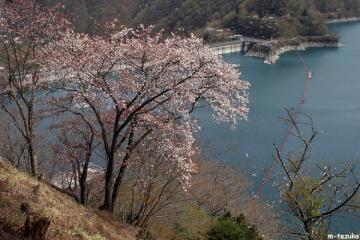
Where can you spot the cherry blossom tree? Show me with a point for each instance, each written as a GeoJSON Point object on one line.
{"type": "Point", "coordinates": [25, 28]}
{"type": "Point", "coordinates": [138, 84]}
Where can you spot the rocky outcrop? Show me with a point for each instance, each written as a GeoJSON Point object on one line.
{"type": "Point", "coordinates": [271, 52]}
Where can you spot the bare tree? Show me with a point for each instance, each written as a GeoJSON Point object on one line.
{"type": "Point", "coordinates": [218, 187]}
{"type": "Point", "coordinates": [314, 199]}
{"type": "Point", "coordinates": [12, 145]}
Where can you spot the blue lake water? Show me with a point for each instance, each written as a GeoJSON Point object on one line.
{"type": "Point", "coordinates": [333, 102]}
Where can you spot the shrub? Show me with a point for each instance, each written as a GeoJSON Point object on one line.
{"type": "Point", "coordinates": [229, 228]}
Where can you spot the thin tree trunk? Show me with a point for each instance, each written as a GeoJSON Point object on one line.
{"type": "Point", "coordinates": [117, 184]}
{"type": "Point", "coordinates": [83, 184]}
{"type": "Point", "coordinates": [32, 157]}
{"type": "Point", "coordinates": [121, 174]}
{"type": "Point", "coordinates": [31, 136]}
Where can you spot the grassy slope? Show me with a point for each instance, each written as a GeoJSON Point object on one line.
{"type": "Point", "coordinates": [69, 220]}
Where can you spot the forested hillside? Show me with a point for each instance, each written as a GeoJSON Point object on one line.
{"type": "Point", "coordinates": [257, 18]}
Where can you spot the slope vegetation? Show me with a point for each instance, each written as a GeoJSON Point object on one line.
{"type": "Point", "coordinates": [68, 219]}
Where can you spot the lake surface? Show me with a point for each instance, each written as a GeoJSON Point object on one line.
{"type": "Point", "coordinates": [333, 102]}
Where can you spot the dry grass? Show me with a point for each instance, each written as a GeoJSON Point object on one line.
{"type": "Point", "coordinates": [69, 220]}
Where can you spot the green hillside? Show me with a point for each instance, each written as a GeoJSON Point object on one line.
{"type": "Point", "coordinates": [256, 18]}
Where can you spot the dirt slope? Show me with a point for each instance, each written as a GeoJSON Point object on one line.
{"type": "Point", "coordinates": [68, 219]}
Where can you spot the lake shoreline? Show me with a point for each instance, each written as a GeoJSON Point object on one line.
{"type": "Point", "coordinates": [343, 20]}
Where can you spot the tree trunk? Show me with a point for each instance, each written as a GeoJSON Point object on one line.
{"type": "Point", "coordinates": [118, 183]}
{"type": "Point", "coordinates": [121, 174]}
{"type": "Point", "coordinates": [108, 183]}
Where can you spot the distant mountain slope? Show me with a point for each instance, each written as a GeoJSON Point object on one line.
{"type": "Point", "coordinates": [264, 18]}
{"type": "Point", "coordinates": [86, 12]}
{"type": "Point", "coordinates": [68, 219]}
{"type": "Point", "coordinates": [185, 14]}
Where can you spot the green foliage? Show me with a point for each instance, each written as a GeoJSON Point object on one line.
{"type": "Point", "coordinates": [189, 15]}
{"type": "Point", "coordinates": [254, 27]}
{"type": "Point", "coordinates": [228, 228]}
{"type": "Point", "coordinates": [336, 8]}
{"type": "Point", "coordinates": [312, 24]}
{"type": "Point", "coordinates": [197, 224]}
{"type": "Point", "coordinates": [302, 194]}
{"type": "Point", "coordinates": [264, 8]}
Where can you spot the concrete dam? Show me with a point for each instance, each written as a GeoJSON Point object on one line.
{"type": "Point", "coordinates": [270, 50]}
{"type": "Point", "coordinates": [243, 44]}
